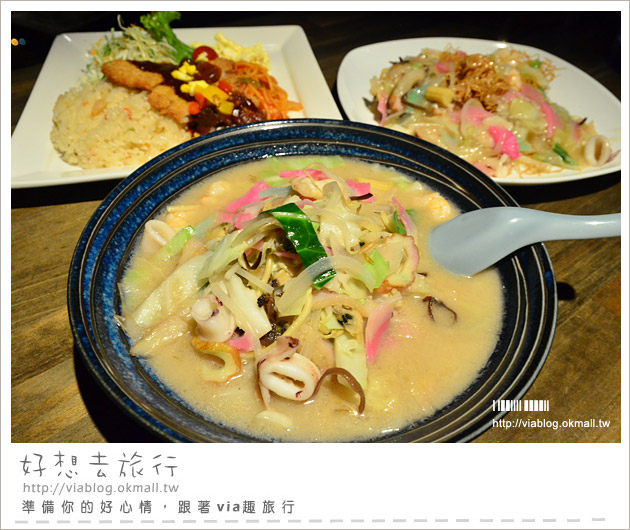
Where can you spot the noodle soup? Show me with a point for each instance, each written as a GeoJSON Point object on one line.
{"type": "Point", "coordinates": [295, 299]}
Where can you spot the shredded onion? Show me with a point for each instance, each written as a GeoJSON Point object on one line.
{"type": "Point", "coordinates": [229, 249]}
{"type": "Point", "coordinates": [327, 299]}
{"type": "Point", "coordinates": [331, 218]}
{"type": "Point", "coordinates": [230, 272]}
{"type": "Point", "coordinates": [257, 226]}
{"type": "Point", "coordinates": [306, 311]}
{"type": "Point", "coordinates": [265, 287]}
{"type": "Point", "coordinates": [268, 270]}
{"type": "Point", "coordinates": [330, 175]}
{"type": "Point", "coordinates": [296, 288]}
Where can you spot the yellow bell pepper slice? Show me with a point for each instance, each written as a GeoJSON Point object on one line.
{"type": "Point", "coordinates": [226, 107]}
{"type": "Point", "coordinates": [213, 93]}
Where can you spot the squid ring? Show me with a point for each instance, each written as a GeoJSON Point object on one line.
{"type": "Point", "coordinates": [156, 234]}
{"type": "Point", "coordinates": [597, 150]}
{"type": "Point", "coordinates": [214, 321]}
{"type": "Point", "coordinates": [286, 373]}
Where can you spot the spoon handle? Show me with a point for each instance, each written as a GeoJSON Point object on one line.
{"type": "Point", "coordinates": [545, 226]}
{"type": "Point", "coordinates": [471, 242]}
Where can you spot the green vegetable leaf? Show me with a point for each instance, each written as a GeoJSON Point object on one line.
{"type": "Point", "coordinates": [416, 96]}
{"type": "Point", "coordinates": [564, 155]}
{"type": "Point", "coordinates": [378, 267]}
{"type": "Point", "coordinates": [523, 146]}
{"type": "Point", "coordinates": [399, 227]}
{"type": "Point", "coordinates": [536, 63]}
{"type": "Point", "coordinates": [175, 244]}
{"type": "Point", "coordinates": [301, 232]}
{"type": "Point", "coordinates": [158, 24]}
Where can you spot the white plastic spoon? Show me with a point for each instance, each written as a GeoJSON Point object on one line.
{"type": "Point", "coordinates": [475, 240]}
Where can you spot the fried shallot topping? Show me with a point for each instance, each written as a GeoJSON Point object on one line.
{"type": "Point", "coordinates": [476, 78]}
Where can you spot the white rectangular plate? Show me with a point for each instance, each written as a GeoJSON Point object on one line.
{"type": "Point", "coordinates": [34, 161]}
{"type": "Point", "coordinates": [572, 88]}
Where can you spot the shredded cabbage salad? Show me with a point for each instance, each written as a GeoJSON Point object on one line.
{"type": "Point", "coordinates": [132, 44]}
{"type": "Point", "coordinates": [157, 43]}
{"type": "Point", "coordinates": [305, 266]}
{"type": "Point", "coordinates": [492, 110]}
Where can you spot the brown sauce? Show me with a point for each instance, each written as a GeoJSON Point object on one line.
{"type": "Point", "coordinates": [209, 119]}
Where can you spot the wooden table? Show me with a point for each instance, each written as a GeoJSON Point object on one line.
{"type": "Point", "coordinates": [54, 398]}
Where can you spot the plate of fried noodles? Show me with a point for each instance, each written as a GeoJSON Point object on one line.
{"type": "Point", "coordinates": [513, 111]}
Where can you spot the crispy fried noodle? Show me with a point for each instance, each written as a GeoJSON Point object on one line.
{"type": "Point", "coordinates": [492, 110]}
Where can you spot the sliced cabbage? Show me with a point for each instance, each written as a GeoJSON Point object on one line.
{"type": "Point", "coordinates": [378, 267]}
{"type": "Point", "coordinates": [163, 261]}
{"type": "Point", "coordinates": [247, 301]}
{"type": "Point", "coordinates": [339, 227]}
{"type": "Point", "coordinates": [344, 283]}
{"type": "Point", "coordinates": [232, 246]}
{"type": "Point", "coordinates": [180, 286]}
{"type": "Point", "coordinates": [350, 355]}
{"type": "Point", "coordinates": [161, 335]}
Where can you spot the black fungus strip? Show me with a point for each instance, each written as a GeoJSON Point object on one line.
{"type": "Point", "coordinates": [354, 384]}
{"type": "Point", "coordinates": [431, 301]}
{"type": "Point", "coordinates": [252, 266]}
{"type": "Point", "coordinates": [266, 302]}
{"type": "Point", "coordinates": [361, 197]}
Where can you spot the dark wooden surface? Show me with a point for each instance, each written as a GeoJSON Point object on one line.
{"type": "Point", "coordinates": [53, 397]}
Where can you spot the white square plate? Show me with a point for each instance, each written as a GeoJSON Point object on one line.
{"type": "Point", "coordinates": [572, 88]}
{"type": "Point", "coordinates": [34, 161]}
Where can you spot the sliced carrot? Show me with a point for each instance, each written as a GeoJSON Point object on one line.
{"type": "Point", "coordinates": [263, 89]}
{"type": "Point", "coordinates": [225, 86]}
{"type": "Point", "coordinates": [201, 99]}
{"type": "Point", "coordinates": [194, 108]}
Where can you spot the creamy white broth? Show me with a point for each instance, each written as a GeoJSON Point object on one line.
{"type": "Point", "coordinates": [422, 363]}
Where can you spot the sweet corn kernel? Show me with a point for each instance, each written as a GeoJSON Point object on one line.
{"type": "Point", "coordinates": [196, 86]}
{"type": "Point", "coordinates": [440, 95]}
{"type": "Point", "coordinates": [188, 68]}
{"type": "Point", "coordinates": [178, 74]}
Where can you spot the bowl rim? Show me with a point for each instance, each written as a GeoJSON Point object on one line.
{"type": "Point", "coordinates": [86, 346]}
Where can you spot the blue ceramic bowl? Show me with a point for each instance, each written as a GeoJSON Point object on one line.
{"type": "Point", "coordinates": [106, 241]}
